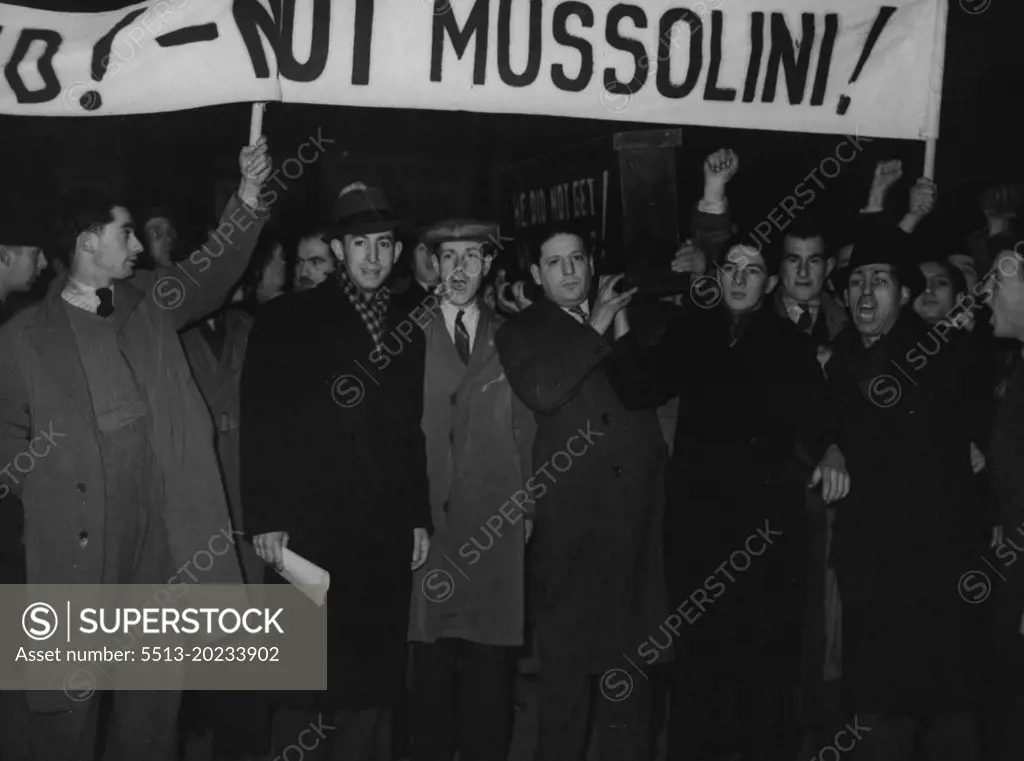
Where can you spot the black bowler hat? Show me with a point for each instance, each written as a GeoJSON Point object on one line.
{"type": "Point", "coordinates": [361, 210]}
{"type": "Point", "coordinates": [22, 230]}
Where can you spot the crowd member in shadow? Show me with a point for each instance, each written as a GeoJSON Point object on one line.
{"type": "Point", "coordinates": [417, 276]}
{"type": "Point", "coordinates": [737, 486]}
{"type": "Point", "coordinates": [237, 722]}
{"type": "Point", "coordinates": [912, 525]}
{"type": "Point", "coordinates": [22, 261]}
{"type": "Point", "coordinates": [160, 238]}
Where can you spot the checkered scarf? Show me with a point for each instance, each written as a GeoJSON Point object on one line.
{"type": "Point", "coordinates": [373, 310]}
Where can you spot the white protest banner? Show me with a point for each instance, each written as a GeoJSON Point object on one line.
{"type": "Point", "coordinates": [830, 66]}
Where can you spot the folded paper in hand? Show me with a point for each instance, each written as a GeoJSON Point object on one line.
{"type": "Point", "coordinates": [312, 580]}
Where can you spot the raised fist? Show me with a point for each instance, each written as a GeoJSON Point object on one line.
{"type": "Point", "coordinates": [721, 165]}
{"type": "Point", "coordinates": [887, 173]}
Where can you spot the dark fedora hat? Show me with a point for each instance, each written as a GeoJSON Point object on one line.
{"type": "Point", "coordinates": [878, 241]}
{"type": "Point", "coordinates": [361, 210]}
{"type": "Point", "coordinates": [18, 229]}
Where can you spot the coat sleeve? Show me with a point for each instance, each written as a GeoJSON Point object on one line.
{"type": "Point", "coordinates": [267, 430]}
{"type": "Point", "coordinates": [710, 232]}
{"type": "Point", "coordinates": [200, 284]}
{"type": "Point", "coordinates": [646, 377]}
{"type": "Point", "coordinates": [545, 371]}
{"type": "Point", "coordinates": [524, 430]}
{"type": "Point", "coordinates": [816, 419]}
{"type": "Point", "coordinates": [414, 487]}
{"type": "Point", "coordinates": [15, 416]}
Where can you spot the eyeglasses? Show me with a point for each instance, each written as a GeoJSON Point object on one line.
{"type": "Point", "coordinates": [470, 262]}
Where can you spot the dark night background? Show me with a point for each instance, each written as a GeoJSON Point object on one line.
{"type": "Point", "coordinates": [434, 163]}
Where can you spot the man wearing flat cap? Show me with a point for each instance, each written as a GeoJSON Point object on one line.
{"type": "Point", "coordinates": [333, 466]}
{"type": "Point", "coordinates": [911, 525]}
{"type": "Point", "coordinates": [465, 624]}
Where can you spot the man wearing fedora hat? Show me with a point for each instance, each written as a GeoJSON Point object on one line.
{"type": "Point", "coordinates": [21, 262]}
{"type": "Point", "coordinates": [479, 439]}
{"type": "Point", "coordinates": [331, 406]}
{"type": "Point", "coordinates": [906, 415]}
{"type": "Point", "coordinates": [21, 259]}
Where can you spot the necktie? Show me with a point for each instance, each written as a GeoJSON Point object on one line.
{"type": "Point", "coordinates": [580, 314]}
{"type": "Point", "coordinates": [461, 338]}
{"type": "Point", "coordinates": [805, 322]}
{"type": "Point", "coordinates": [106, 307]}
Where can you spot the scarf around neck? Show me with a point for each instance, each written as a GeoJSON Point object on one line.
{"type": "Point", "coordinates": [372, 310]}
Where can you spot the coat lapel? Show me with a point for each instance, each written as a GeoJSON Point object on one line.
{"type": "Point", "coordinates": [54, 340]}
{"type": "Point", "coordinates": [483, 347]}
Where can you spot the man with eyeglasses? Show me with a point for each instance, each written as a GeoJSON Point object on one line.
{"type": "Point", "coordinates": [479, 438]}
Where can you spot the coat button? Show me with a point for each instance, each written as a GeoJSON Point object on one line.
{"type": "Point", "coordinates": [80, 486]}
{"type": "Point", "coordinates": [454, 399]}
{"type": "Point", "coordinates": [451, 437]}
{"type": "Point", "coordinates": [606, 418]}
{"type": "Point", "coordinates": [617, 471]}
{"type": "Point", "coordinates": [83, 539]}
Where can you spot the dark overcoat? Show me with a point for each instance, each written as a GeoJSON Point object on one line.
{"type": "Point", "coordinates": [333, 453]}
{"type": "Point", "coordinates": [595, 566]}
{"type": "Point", "coordinates": [752, 397]}
{"type": "Point", "coordinates": [911, 526]}
{"type": "Point", "coordinates": [43, 388]}
{"type": "Point", "coordinates": [479, 440]}
{"type": "Point", "coordinates": [219, 378]}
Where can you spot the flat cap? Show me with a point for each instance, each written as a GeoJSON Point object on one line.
{"type": "Point", "coordinates": [461, 229]}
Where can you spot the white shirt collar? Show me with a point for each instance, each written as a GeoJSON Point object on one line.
{"type": "Point", "coordinates": [83, 296]}
{"type": "Point", "coordinates": [585, 306]}
{"type": "Point", "coordinates": [470, 318]}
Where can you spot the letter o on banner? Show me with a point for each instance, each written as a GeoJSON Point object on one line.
{"type": "Point", "coordinates": [284, 753]}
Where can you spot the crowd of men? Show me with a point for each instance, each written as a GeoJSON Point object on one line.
{"type": "Point", "coordinates": [480, 473]}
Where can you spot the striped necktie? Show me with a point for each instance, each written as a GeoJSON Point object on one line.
{"type": "Point", "coordinates": [461, 338]}
{"type": "Point", "coordinates": [580, 315]}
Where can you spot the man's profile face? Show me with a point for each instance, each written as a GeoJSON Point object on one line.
{"type": "Point", "coordinates": [315, 263]}
{"type": "Point", "coordinates": [161, 238]}
{"type": "Point", "coordinates": [463, 265]}
{"type": "Point", "coordinates": [564, 270]}
{"type": "Point", "coordinates": [875, 298]}
{"type": "Point", "coordinates": [368, 258]}
{"type": "Point", "coordinates": [424, 265]}
{"type": "Point", "coordinates": [804, 268]}
{"type": "Point", "coordinates": [21, 265]}
{"type": "Point", "coordinates": [115, 249]}
{"type": "Point", "coordinates": [1006, 283]}
{"type": "Point", "coordinates": [744, 280]}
